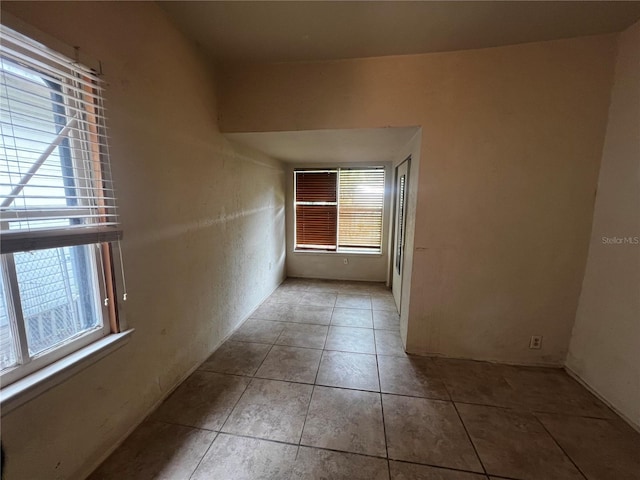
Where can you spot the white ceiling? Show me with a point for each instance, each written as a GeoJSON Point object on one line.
{"type": "Point", "coordinates": [269, 31]}
{"type": "Point", "coordinates": [371, 145]}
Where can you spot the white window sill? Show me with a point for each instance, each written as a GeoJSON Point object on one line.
{"type": "Point", "coordinates": [31, 386]}
{"type": "Point", "coordinates": [340, 253]}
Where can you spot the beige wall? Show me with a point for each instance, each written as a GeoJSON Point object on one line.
{"type": "Point", "coordinates": [511, 143]}
{"type": "Point", "coordinates": [204, 234]}
{"type": "Point", "coordinates": [366, 267]}
{"type": "Point", "coordinates": [605, 346]}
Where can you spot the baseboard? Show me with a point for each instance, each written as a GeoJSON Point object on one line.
{"type": "Point", "coordinates": [157, 404]}
{"type": "Point", "coordinates": [601, 397]}
{"type": "Point", "coordinates": [489, 360]}
{"type": "Point", "coordinates": [343, 279]}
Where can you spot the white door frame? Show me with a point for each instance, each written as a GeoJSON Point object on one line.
{"type": "Point", "coordinates": [396, 257]}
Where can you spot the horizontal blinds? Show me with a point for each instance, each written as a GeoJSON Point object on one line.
{"type": "Point", "coordinates": [316, 210]}
{"type": "Point", "coordinates": [45, 239]}
{"type": "Point", "coordinates": [55, 177]}
{"type": "Point", "coordinates": [316, 226]}
{"type": "Point", "coordinates": [316, 186]}
{"type": "Point", "coordinates": [360, 208]}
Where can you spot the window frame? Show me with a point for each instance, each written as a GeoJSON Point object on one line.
{"type": "Point", "coordinates": [340, 250]}
{"type": "Point", "coordinates": [98, 244]}
{"type": "Point", "coordinates": [27, 363]}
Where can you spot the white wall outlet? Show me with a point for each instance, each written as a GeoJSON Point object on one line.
{"type": "Point", "coordinates": [535, 342]}
{"type": "Point", "coordinates": [345, 261]}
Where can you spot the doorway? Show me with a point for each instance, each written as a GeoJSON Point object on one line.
{"type": "Point", "coordinates": [399, 228]}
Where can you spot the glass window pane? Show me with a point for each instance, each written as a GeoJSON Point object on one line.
{"type": "Point", "coordinates": [58, 295]}
{"type": "Point", "coordinates": [36, 115]}
{"type": "Point", "coordinates": [8, 357]}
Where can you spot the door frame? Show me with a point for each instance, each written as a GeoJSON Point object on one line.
{"type": "Point", "coordinates": [392, 230]}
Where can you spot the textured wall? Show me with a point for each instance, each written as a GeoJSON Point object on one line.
{"type": "Point", "coordinates": [204, 234]}
{"type": "Point", "coordinates": [511, 146]}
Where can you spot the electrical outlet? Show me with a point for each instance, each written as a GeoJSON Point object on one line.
{"type": "Point", "coordinates": [269, 265]}
{"type": "Point", "coordinates": [345, 261]}
{"type": "Point", "coordinates": [535, 342]}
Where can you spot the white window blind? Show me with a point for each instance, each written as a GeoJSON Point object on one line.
{"type": "Point", "coordinates": [360, 208]}
{"type": "Point", "coordinates": [55, 180]}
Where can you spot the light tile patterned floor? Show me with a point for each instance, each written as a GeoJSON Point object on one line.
{"type": "Point", "coordinates": [316, 386]}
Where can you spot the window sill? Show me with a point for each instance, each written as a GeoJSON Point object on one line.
{"type": "Point", "coordinates": [352, 253]}
{"type": "Point", "coordinates": [31, 386]}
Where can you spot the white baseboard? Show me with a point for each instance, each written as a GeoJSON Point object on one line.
{"type": "Point", "coordinates": [602, 398]}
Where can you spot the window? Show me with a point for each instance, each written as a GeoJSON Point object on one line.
{"type": "Point", "coordinates": [339, 210]}
{"type": "Point", "coordinates": [57, 210]}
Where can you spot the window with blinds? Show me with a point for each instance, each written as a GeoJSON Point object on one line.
{"type": "Point", "coordinates": [55, 183]}
{"type": "Point", "coordinates": [339, 210]}
{"type": "Point", "coordinates": [57, 208]}
{"type": "Point", "coordinates": [316, 210]}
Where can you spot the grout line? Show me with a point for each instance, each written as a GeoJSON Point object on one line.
{"type": "Point", "coordinates": [315, 379]}
{"type": "Point", "coordinates": [575, 415]}
{"type": "Point", "coordinates": [525, 409]}
{"type": "Point", "coordinates": [560, 446]}
{"type": "Point", "coordinates": [204, 455]}
{"type": "Point", "coordinates": [476, 404]}
{"type": "Point", "coordinates": [453, 469]}
{"type": "Point", "coordinates": [451, 400]}
{"type": "Point", "coordinates": [324, 349]}
{"type": "Point", "coordinates": [501, 477]}
{"type": "Point", "coordinates": [384, 424]}
{"type": "Point", "coordinates": [181, 425]}
{"type": "Point", "coordinates": [280, 442]}
{"type": "Point", "coordinates": [235, 405]}
{"type": "Point", "coordinates": [470, 439]}
{"type": "Point", "coordinates": [324, 346]}
{"type": "Point", "coordinates": [241, 395]}
{"type": "Point", "coordinates": [344, 451]}
{"type": "Point", "coordinates": [306, 415]}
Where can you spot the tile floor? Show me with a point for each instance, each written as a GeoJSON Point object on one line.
{"type": "Point", "coordinates": [316, 385]}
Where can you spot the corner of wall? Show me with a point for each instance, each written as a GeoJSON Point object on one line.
{"type": "Point", "coordinates": [605, 339]}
